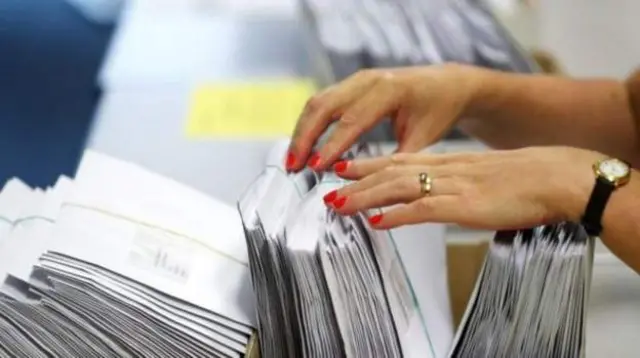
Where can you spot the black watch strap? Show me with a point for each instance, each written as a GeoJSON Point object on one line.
{"type": "Point", "coordinates": [592, 219]}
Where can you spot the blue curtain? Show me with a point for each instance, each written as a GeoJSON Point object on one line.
{"type": "Point", "coordinates": [49, 58]}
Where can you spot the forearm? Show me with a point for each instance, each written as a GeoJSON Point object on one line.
{"type": "Point", "coordinates": [621, 223]}
{"type": "Point", "coordinates": [514, 110]}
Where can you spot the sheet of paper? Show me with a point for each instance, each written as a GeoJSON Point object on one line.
{"type": "Point", "coordinates": [277, 156]}
{"type": "Point", "coordinates": [30, 233]}
{"type": "Point", "coordinates": [15, 196]}
{"type": "Point", "coordinates": [149, 199]}
{"type": "Point", "coordinates": [258, 110]}
{"type": "Point", "coordinates": [421, 251]}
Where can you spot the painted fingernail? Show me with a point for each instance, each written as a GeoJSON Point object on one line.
{"type": "Point", "coordinates": [339, 202]}
{"type": "Point", "coordinates": [314, 161]}
{"type": "Point", "coordinates": [375, 219]}
{"type": "Point", "coordinates": [330, 197]}
{"type": "Point", "coordinates": [291, 160]}
{"type": "Point", "coordinates": [340, 166]}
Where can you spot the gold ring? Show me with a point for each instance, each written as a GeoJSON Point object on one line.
{"type": "Point", "coordinates": [425, 183]}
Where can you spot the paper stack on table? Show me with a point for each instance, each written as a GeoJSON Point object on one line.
{"type": "Point", "coordinates": [120, 262]}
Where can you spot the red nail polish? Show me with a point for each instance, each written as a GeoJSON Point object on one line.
{"type": "Point", "coordinates": [314, 161]}
{"type": "Point", "coordinates": [330, 197]}
{"type": "Point", "coordinates": [291, 160]}
{"type": "Point", "coordinates": [340, 166]}
{"type": "Point", "coordinates": [375, 219]}
{"type": "Point", "coordinates": [338, 203]}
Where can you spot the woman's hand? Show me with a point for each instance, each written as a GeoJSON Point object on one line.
{"type": "Point", "coordinates": [495, 190]}
{"type": "Point", "coordinates": [423, 103]}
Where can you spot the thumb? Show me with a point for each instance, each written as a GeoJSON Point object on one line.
{"type": "Point", "coordinates": [410, 145]}
{"type": "Point", "coordinates": [424, 131]}
{"type": "Point", "coordinates": [414, 136]}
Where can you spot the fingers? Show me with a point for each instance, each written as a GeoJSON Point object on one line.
{"type": "Point", "coordinates": [417, 136]}
{"type": "Point", "coordinates": [401, 190]}
{"type": "Point", "coordinates": [360, 117]}
{"type": "Point", "coordinates": [391, 173]}
{"type": "Point", "coordinates": [360, 168]}
{"type": "Point", "coordinates": [320, 111]}
{"type": "Point", "coordinates": [435, 209]}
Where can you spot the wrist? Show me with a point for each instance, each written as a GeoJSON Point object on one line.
{"type": "Point", "coordinates": [573, 186]}
{"type": "Point", "coordinates": [487, 89]}
{"type": "Point", "coordinates": [473, 83]}
{"type": "Point", "coordinates": [576, 196]}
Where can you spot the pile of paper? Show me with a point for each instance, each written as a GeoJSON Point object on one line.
{"type": "Point", "coordinates": [330, 286]}
{"type": "Point", "coordinates": [531, 297]}
{"type": "Point", "coordinates": [360, 34]}
{"type": "Point", "coordinates": [120, 262]}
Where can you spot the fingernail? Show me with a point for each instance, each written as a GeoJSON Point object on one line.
{"type": "Point", "coordinates": [314, 161]}
{"type": "Point", "coordinates": [375, 219]}
{"type": "Point", "coordinates": [291, 160]}
{"type": "Point", "coordinates": [340, 166]}
{"type": "Point", "coordinates": [338, 203]}
{"type": "Point", "coordinates": [330, 197]}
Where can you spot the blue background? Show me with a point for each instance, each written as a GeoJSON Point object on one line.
{"type": "Point", "coordinates": [49, 59]}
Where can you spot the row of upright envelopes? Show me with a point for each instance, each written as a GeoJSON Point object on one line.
{"type": "Point", "coordinates": [531, 297]}
{"type": "Point", "coordinates": [330, 286]}
{"type": "Point", "coordinates": [357, 34]}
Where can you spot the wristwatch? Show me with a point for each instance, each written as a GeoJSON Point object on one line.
{"type": "Point", "coordinates": [610, 174]}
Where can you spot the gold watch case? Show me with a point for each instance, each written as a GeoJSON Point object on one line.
{"type": "Point", "coordinates": [613, 170]}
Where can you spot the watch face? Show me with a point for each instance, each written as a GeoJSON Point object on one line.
{"type": "Point", "coordinates": [613, 169]}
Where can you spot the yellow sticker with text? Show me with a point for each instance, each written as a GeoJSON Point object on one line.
{"type": "Point", "coordinates": [247, 109]}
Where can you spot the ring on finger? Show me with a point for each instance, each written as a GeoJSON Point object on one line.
{"type": "Point", "coordinates": [426, 183]}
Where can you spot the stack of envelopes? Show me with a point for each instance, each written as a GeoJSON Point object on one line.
{"type": "Point", "coordinates": [356, 34]}
{"type": "Point", "coordinates": [330, 286]}
{"type": "Point", "coordinates": [531, 297]}
{"type": "Point", "coordinates": [120, 262]}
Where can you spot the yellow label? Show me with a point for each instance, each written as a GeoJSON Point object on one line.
{"type": "Point", "coordinates": [254, 109]}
